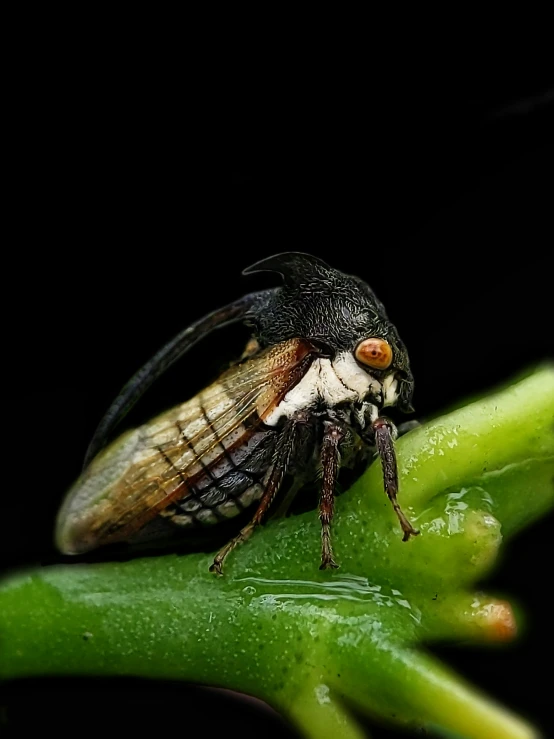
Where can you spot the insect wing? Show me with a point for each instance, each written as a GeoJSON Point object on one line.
{"type": "Point", "coordinates": [146, 469]}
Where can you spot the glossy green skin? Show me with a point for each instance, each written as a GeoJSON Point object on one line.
{"type": "Point", "coordinates": [278, 628]}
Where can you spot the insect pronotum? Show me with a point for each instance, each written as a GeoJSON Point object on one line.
{"type": "Point", "coordinates": [322, 364]}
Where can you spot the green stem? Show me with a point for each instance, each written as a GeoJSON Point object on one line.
{"type": "Point", "coordinates": [506, 428]}
{"type": "Point", "coordinates": [424, 693]}
{"type": "Point", "coordinates": [319, 715]}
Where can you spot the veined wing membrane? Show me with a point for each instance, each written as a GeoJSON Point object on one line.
{"type": "Point", "coordinates": [135, 478]}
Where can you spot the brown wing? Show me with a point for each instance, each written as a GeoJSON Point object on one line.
{"type": "Point", "coordinates": [136, 477]}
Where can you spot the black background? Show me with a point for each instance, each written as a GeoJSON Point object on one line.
{"type": "Point", "coordinates": [137, 206]}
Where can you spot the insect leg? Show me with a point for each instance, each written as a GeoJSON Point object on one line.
{"type": "Point", "coordinates": [385, 446]}
{"type": "Point", "coordinates": [281, 461]}
{"type": "Point", "coordinates": [330, 463]}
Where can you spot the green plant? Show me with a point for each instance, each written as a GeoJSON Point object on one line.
{"type": "Point", "coordinates": [308, 641]}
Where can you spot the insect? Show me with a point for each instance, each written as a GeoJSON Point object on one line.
{"type": "Point", "coordinates": [322, 364]}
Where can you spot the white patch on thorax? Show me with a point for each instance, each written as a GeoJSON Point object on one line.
{"type": "Point", "coordinates": [352, 375]}
{"type": "Point", "coordinates": [340, 381]}
{"type": "Point", "coordinates": [390, 390]}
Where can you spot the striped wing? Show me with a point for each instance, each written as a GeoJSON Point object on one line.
{"type": "Point", "coordinates": [145, 470]}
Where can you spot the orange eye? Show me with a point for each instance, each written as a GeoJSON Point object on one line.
{"type": "Point", "coordinates": [376, 353]}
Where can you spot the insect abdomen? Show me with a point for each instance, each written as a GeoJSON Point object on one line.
{"type": "Point", "coordinates": [227, 488]}
{"type": "Point", "coordinates": [186, 458]}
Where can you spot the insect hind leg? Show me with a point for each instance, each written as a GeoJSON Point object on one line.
{"type": "Point", "coordinates": [284, 452]}
{"type": "Point", "coordinates": [243, 535]}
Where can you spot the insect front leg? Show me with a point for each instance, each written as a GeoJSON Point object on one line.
{"type": "Point", "coordinates": [281, 461]}
{"type": "Point", "coordinates": [330, 463]}
{"type": "Point", "coordinates": [384, 431]}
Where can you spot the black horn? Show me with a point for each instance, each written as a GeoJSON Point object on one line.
{"type": "Point", "coordinates": [295, 267]}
